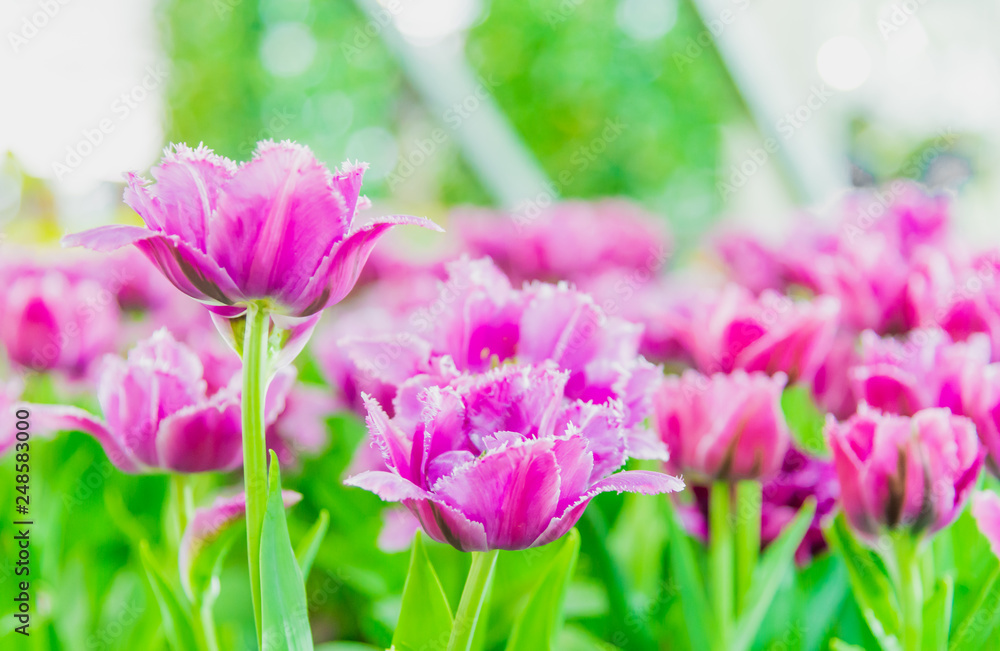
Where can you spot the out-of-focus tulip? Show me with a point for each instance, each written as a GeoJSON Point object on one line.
{"type": "Point", "coordinates": [731, 329]}
{"type": "Point", "coordinates": [722, 427]}
{"type": "Point", "coordinates": [278, 229]}
{"type": "Point", "coordinates": [986, 511]}
{"type": "Point", "coordinates": [904, 473]}
{"type": "Point", "coordinates": [981, 403]}
{"type": "Point", "coordinates": [10, 394]}
{"type": "Point", "coordinates": [501, 460]}
{"type": "Point", "coordinates": [570, 241]}
{"type": "Point", "coordinates": [55, 318]}
{"type": "Point", "coordinates": [927, 370]}
{"type": "Point", "coordinates": [831, 385]}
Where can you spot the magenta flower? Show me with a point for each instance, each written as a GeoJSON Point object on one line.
{"type": "Point", "coordinates": [981, 403]}
{"type": "Point", "coordinates": [899, 472]}
{"type": "Point", "coordinates": [278, 229]}
{"type": "Point", "coordinates": [478, 321]}
{"type": "Point", "coordinates": [831, 385]}
{"type": "Point", "coordinates": [502, 460]}
{"type": "Point", "coordinates": [927, 370]}
{"type": "Point", "coordinates": [572, 241]}
{"type": "Point", "coordinates": [986, 511]}
{"type": "Point", "coordinates": [56, 318]}
{"type": "Point", "coordinates": [731, 329]}
{"type": "Point", "coordinates": [160, 414]}
{"type": "Point", "coordinates": [722, 427]}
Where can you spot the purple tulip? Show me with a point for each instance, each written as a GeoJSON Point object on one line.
{"type": "Point", "coordinates": [502, 460]}
{"type": "Point", "coordinates": [159, 415]}
{"type": "Point", "coordinates": [278, 229]}
{"type": "Point", "coordinates": [981, 403]}
{"type": "Point", "coordinates": [927, 370]}
{"type": "Point", "coordinates": [570, 241]}
{"type": "Point", "coordinates": [56, 317]}
{"type": "Point", "coordinates": [900, 472]}
{"type": "Point", "coordinates": [477, 321]}
{"type": "Point", "coordinates": [986, 511]}
{"type": "Point", "coordinates": [723, 427]}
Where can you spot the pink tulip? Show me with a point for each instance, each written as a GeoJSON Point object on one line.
{"type": "Point", "coordinates": [571, 241]}
{"type": "Point", "coordinates": [296, 415]}
{"type": "Point", "coordinates": [56, 317]}
{"type": "Point", "coordinates": [831, 385]}
{"type": "Point", "coordinates": [731, 329]}
{"type": "Point", "coordinates": [722, 427]}
{"type": "Point", "coordinates": [986, 511]}
{"type": "Point", "coordinates": [899, 472]}
{"type": "Point", "coordinates": [927, 370]}
{"type": "Point", "coordinates": [278, 229]}
{"type": "Point", "coordinates": [981, 403]}
{"type": "Point", "coordinates": [502, 460]}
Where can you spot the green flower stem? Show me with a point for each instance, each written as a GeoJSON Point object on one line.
{"type": "Point", "coordinates": [207, 621]}
{"type": "Point", "coordinates": [721, 571]}
{"type": "Point", "coordinates": [255, 380]}
{"type": "Point", "coordinates": [748, 508]}
{"type": "Point", "coordinates": [463, 631]}
{"type": "Point", "coordinates": [910, 589]}
{"type": "Point", "coordinates": [182, 502]}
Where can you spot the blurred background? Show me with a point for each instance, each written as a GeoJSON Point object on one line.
{"type": "Point", "coordinates": [701, 110]}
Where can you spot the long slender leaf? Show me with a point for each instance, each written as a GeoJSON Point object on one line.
{"type": "Point", "coordinates": [773, 567]}
{"type": "Point", "coordinates": [425, 616]}
{"type": "Point", "coordinates": [540, 622]}
{"type": "Point", "coordinates": [981, 622]}
{"type": "Point", "coordinates": [177, 623]}
{"type": "Point", "coordinates": [869, 582]}
{"type": "Point", "coordinates": [308, 547]}
{"type": "Point", "coordinates": [284, 612]}
{"type": "Point", "coordinates": [684, 567]}
{"type": "Point", "coordinates": [937, 616]}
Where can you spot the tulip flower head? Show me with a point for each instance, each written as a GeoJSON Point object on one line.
{"type": "Point", "coordinates": [723, 427]}
{"type": "Point", "coordinates": [279, 230]}
{"type": "Point", "coordinates": [900, 473]}
{"type": "Point", "coordinates": [501, 460]}
{"type": "Point", "coordinates": [56, 318]}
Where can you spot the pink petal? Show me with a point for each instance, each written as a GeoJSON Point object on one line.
{"type": "Point", "coordinates": [202, 438]}
{"type": "Point", "coordinates": [50, 419]}
{"type": "Point", "coordinates": [986, 511]}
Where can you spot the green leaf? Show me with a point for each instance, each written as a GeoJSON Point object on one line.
{"type": "Point", "coordinates": [308, 547]}
{"type": "Point", "coordinates": [284, 612]}
{"type": "Point", "coordinates": [840, 645]}
{"type": "Point", "coordinates": [684, 567]}
{"type": "Point", "coordinates": [177, 624]}
{"type": "Point", "coordinates": [937, 616]}
{"type": "Point", "coordinates": [347, 646]}
{"type": "Point", "coordinates": [869, 582]}
{"type": "Point", "coordinates": [981, 623]}
{"type": "Point", "coordinates": [538, 625]}
{"type": "Point", "coordinates": [425, 614]}
{"type": "Point", "coordinates": [767, 578]}
{"type": "Point", "coordinates": [804, 419]}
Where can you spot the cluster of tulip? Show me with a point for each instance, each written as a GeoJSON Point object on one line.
{"type": "Point", "coordinates": [527, 367]}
